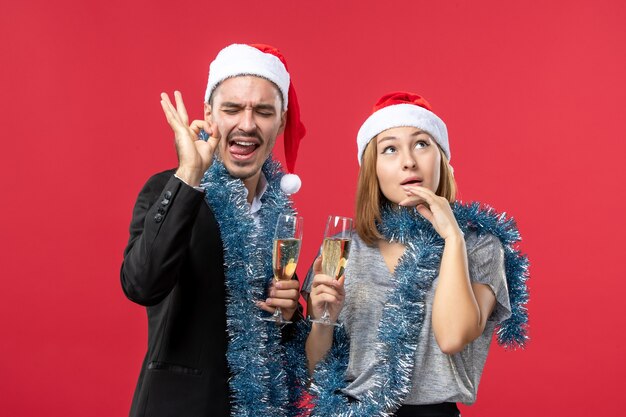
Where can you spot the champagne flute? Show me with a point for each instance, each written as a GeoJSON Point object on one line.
{"type": "Point", "coordinates": [335, 251]}
{"type": "Point", "coordinates": [285, 253]}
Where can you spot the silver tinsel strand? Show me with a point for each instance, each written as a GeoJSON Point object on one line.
{"type": "Point", "coordinates": [256, 357]}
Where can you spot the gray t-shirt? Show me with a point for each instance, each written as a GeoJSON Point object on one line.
{"type": "Point", "coordinates": [437, 377]}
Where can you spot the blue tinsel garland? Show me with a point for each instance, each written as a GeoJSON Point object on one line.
{"type": "Point", "coordinates": [403, 314]}
{"type": "Point", "coordinates": [255, 355]}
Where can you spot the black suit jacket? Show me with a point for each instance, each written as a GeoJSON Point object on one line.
{"type": "Point", "coordinates": [173, 265]}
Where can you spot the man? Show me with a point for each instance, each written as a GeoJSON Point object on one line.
{"type": "Point", "coordinates": [199, 253]}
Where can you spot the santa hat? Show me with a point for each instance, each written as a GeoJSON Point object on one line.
{"type": "Point", "coordinates": [266, 62]}
{"type": "Point", "coordinates": [402, 109]}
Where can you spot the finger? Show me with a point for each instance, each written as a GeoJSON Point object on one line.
{"type": "Point", "coordinates": [180, 106]}
{"type": "Point", "coordinates": [340, 282]}
{"type": "Point", "coordinates": [335, 286]}
{"type": "Point", "coordinates": [172, 118]}
{"type": "Point", "coordinates": [423, 192]}
{"type": "Point", "coordinates": [208, 129]}
{"type": "Point", "coordinates": [196, 126]}
{"type": "Point", "coordinates": [322, 279]}
{"type": "Point", "coordinates": [168, 106]}
{"type": "Point", "coordinates": [418, 190]}
{"type": "Point", "coordinates": [263, 306]}
{"type": "Point", "coordinates": [411, 201]}
{"type": "Point", "coordinates": [292, 284]}
{"type": "Point", "coordinates": [213, 130]}
{"type": "Point", "coordinates": [282, 303]}
{"type": "Point", "coordinates": [327, 298]}
{"type": "Point", "coordinates": [285, 294]}
{"type": "Point", "coordinates": [165, 98]}
{"type": "Point", "coordinates": [214, 135]}
{"type": "Point", "coordinates": [435, 203]}
{"type": "Point", "coordinates": [324, 289]}
{"type": "Point", "coordinates": [424, 211]}
{"type": "Point", "coordinates": [166, 112]}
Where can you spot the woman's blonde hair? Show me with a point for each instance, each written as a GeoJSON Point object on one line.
{"type": "Point", "coordinates": [370, 199]}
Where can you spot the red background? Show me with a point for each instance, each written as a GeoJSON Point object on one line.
{"type": "Point", "coordinates": [533, 96]}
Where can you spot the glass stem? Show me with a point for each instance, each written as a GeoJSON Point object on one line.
{"type": "Point", "coordinates": [325, 314]}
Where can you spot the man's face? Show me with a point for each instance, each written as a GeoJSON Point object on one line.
{"type": "Point", "coordinates": [249, 116]}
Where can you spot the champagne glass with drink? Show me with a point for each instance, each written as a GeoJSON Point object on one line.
{"type": "Point", "coordinates": [335, 251]}
{"type": "Point", "coordinates": [285, 253]}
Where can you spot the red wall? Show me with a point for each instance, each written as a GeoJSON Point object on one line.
{"type": "Point", "coordinates": [533, 96]}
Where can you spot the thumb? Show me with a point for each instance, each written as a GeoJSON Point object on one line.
{"type": "Point", "coordinates": [214, 134]}
{"type": "Point", "coordinates": [213, 131]}
{"type": "Point", "coordinates": [341, 280]}
{"type": "Point", "coordinates": [317, 265]}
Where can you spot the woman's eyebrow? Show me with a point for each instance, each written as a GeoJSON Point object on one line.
{"type": "Point", "coordinates": [419, 132]}
{"type": "Point", "coordinates": [386, 138]}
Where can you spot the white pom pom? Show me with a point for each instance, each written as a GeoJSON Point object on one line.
{"type": "Point", "coordinates": [290, 183]}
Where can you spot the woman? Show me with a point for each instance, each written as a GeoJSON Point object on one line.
{"type": "Point", "coordinates": [425, 285]}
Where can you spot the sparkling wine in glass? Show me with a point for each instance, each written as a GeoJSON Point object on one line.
{"type": "Point", "coordinates": [285, 253]}
{"type": "Point", "coordinates": [335, 252]}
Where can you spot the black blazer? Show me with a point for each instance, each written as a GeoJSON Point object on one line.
{"type": "Point", "coordinates": [173, 265]}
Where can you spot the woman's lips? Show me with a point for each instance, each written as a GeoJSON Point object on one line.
{"type": "Point", "coordinates": [411, 181]}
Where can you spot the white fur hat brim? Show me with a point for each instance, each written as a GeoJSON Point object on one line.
{"type": "Point", "coordinates": [403, 115]}
{"type": "Point", "coordinates": [240, 59]}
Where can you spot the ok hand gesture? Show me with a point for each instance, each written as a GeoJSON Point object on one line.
{"type": "Point", "coordinates": [194, 155]}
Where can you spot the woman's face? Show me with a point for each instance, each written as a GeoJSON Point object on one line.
{"type": "Point", "coordinates": [406, 156]}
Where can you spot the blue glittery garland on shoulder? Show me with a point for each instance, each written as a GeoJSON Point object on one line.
{"type": "Point", "coordinates": [511, 333]}
{"type": "Point", "coordinates": [259, 381]}
{"type": "Point", "coordinates": [403, 314]}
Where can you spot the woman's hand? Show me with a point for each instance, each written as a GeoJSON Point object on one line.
{"type": "Point", "coordinates": [326, 291]}
{"type": "Point", "coordinates": [194, 155]}
{"type": "Point", "coordinates": [434, 208]}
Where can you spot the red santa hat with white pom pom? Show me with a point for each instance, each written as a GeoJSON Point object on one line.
{"type": "Point", "coordinates": [266, 62]}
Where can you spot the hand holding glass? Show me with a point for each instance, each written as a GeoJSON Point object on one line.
{"type": "Point", "coordinates": [285, 253]}
{"type": "Point", "coordinates": [335, 251]}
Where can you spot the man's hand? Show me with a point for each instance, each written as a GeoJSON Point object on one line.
{"type": "Point", "coordinates": [283, 294]}
{"type": "Point", "coordinates": [194, 155]}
